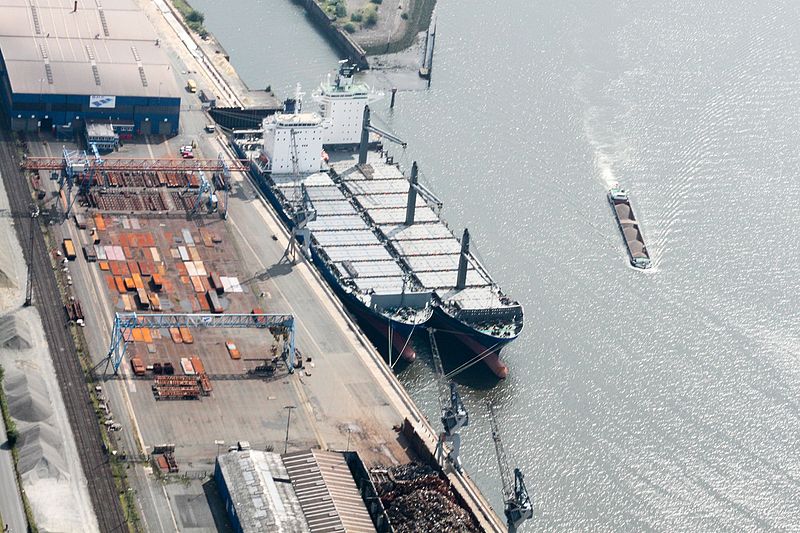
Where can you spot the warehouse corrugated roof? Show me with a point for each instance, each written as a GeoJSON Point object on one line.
{"type": "Point", "coordinates": [106, 47]}
{"type": "Point", "coordinates": [327, 492]}
{"type": "Point", "coordinates": [261, 492]}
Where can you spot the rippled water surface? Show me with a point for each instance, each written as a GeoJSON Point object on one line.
{"type": "Point", "coordinates": [663, 400]}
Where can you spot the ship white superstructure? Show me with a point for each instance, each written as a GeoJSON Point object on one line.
{"type": "Point", "coordinates": [293, 136]}
{"type": "Point", "coordinates": [342, 103]}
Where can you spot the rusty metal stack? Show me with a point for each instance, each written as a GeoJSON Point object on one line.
{"type": "Point", "coordinates": [417, 498]}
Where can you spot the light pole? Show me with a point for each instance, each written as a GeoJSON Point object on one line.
{"type": "Point", "coordinates": [288, 419]}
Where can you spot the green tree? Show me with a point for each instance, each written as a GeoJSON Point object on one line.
{"type": "Point", "coordinates": [370, 15]}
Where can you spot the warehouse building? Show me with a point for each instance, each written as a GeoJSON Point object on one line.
{"type": "Point", "coordinates": [66, 63]}
{"type": "Point", "coordinates": [302, 492]}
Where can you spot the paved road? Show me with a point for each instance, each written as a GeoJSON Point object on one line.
{"type": "Point", "coordinates": [10, 502]}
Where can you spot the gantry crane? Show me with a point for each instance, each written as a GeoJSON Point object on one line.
{"type": "Point", "coordinates": [517, 505]}
{"type": "Point", "coordinates": [454, 414]}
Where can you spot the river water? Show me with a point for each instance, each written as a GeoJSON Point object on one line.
{"type": "Point", "coordinates": [662, 400]}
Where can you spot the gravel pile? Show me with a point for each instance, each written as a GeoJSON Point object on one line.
{"type": "Point", "coordinates": [27, 395]}
{"type": "Point", "coordinates": [15, 333]}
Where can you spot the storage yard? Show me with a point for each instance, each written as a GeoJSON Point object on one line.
{"type": "Point", "coordinates": [227, 384]}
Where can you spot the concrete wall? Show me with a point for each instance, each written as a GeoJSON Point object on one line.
{"type": "Point", "coordinates": [343, 42]}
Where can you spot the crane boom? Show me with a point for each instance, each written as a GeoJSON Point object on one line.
{"type": "Point", "coordinates": [454, 413]}
{"type": "Point", "coordinates": [517, 505]}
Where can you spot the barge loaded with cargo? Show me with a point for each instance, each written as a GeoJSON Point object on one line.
{"type": "Point", "coordinates": [377, 235]}
{"type": "Point", "coordinates": [630, 228]}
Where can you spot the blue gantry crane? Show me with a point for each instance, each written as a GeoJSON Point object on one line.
{"type": "Point", "coordinates": [280, 325]}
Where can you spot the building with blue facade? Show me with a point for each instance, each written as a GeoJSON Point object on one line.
{"type": "Point", "coordinates": [67, 63]}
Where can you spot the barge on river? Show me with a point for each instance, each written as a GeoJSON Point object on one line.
{"type": "Point", "coordinates": [630, 228]}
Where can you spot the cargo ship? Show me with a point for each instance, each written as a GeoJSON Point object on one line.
{"type": "Point", "coordinates": [377, 235]}
{"type": "Point", "coordinates": [472, 318]}
{"type": "Point", "coordinates": [631, 230]}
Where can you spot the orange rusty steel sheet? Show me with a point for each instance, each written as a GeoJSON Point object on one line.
{"type": "Point", "coordinates": [186, 335]}
{"type": "Point", "coordinates": [197, 284]}
{"type": "Point", "coordinates": [198, 365]}
{"type": "Point", "coordinates": [120, 284]}
{"type": "Point", "coordinates": [176, 335]}
{"type": "Point", "coordinates": [141, 164]}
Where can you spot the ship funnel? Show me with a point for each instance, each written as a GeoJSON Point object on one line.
{"type": "Point", "coordinates": [463, 262]}
{"type": "Point", "coordinates": [362, 148]}
{"type": "Point", "coordinates": [412, 195]}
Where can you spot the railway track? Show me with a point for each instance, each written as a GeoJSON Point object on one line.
{"type": "Point", "coordinates": [71, 379]}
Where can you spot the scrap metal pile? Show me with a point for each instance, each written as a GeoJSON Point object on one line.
{"type": "Point", "coordinates": [416, 498]}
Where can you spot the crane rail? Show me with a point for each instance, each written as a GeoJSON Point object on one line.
{"type": "Point", "coordinates": [141, 164]}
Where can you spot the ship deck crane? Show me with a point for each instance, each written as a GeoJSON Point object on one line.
{"type": "Point", "coordinates": [517, 505]}
{"type": "Point", "coordinates": [454, 414]}
{"type": "Point", "coordinates": [303, 210]}
{"type": "Point", "coordinates": [367, 127]}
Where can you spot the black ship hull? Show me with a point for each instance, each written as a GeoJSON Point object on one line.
{"type": "Point", "coordinates": [464, 345]}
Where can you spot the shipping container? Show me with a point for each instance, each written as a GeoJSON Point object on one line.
{"type": "Point", "coordinates": [157, 282]}
{"type": "Point", "coordinates": [138, 366]}
{"type": "Point", "coordinates": [168, 368]}
{"type": "Point", "coordinates": [233, 350]}
{"type": "Point", "coordinates": [155, 302]}
{"type": "Point", "coordinates": [69, 249]}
